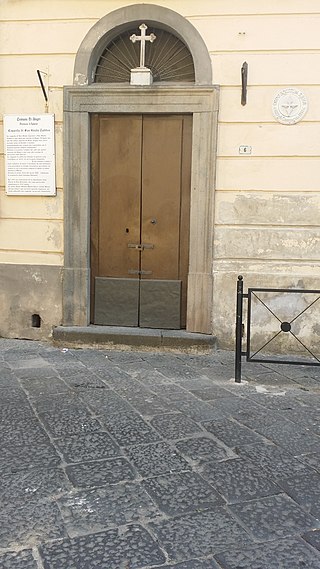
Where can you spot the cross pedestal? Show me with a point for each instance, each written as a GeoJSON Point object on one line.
{"type": "Point", "coordinates": [141, 76]}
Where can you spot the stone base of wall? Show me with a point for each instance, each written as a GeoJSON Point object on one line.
{"type": "Point", "coordinates": [27, 290]}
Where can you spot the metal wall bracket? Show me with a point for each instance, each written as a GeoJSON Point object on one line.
{"type": "Point", "coordinates": [244, 83]}
{"type": "Point", "coordinates": [42, 85]}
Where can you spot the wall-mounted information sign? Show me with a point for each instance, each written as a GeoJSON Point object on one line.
{"type": "Point", "coordinates": [30, 155]}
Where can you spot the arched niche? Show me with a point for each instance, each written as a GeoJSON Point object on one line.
{"type": "Point", "coordinates": [113, 24]}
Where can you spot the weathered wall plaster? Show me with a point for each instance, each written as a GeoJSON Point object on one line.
{"type": "Point", "coordinates": [26, 290]}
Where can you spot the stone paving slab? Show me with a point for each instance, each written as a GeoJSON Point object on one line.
{"type": "Point", "coordinates": [10, 396]}
{"type": "Point", "coordinates": [87, 447]}
{"type": "Point", "coordinates": [14, 411]}
{"type": "Point", "coordinates": [282, 400]}
{"type": "Point", "coordinates": [199, 383]}
{"type": "Point", "coordinates": [7, 378]}
{"type": "Point", "coordinates": [148, 405]}
{"type": "Point", "coordinates": [18, 560]}
{"type": "Point", "coordinates": [155, 459]}
{"type": "Point", "coordinates": [305, 489]}
{"type": "Point", "coordinates": [193, 564]}
{"type": "Point", "coordinates": [285, 554]}
{"type": "Point", "coordinates": [203, 449]}
{"type": "Point", "coordinates": [97, 509]}
{"type": "Point", "coordinates": [199, 534]}
{"type": "Point", "coordinates": [209, 392]}
{"type": "Point", "coordinates": [138, 460]}
{"type": "Point", "coordinates": [312, 460]}
{"type": "Point", "coordinates": [174, 425]}
{"type": "Point", "coordinates": [30, 520]}
{"type": "Point", "coordinates": [68, 369]}
{"type": "Point", "coordinates": [43, 403]}
{"type": "Point", "coordinates": [259, 416]}
{"type": "Point", "coordinates": [293, 438]}
{"type": "Point", "coordinates": [40, 483]}
{"type": "Point", "coordinates": [306, 397]}
{"type": "Point", "coordinates": [129, 429]}
{"type": "Point", "coordinates": [172, 392]}
{"type": "Point", "coordinates": [131, 548]}
{"type": "Point", "coordinates": [44, 385]}
{"type": "Point", "coordinates": [309, 419]}
{"type": "Point", "coordinates": [232, 406]}
{"type": "Point", "coordinates": [233, 434]}
{"type": "Point", "coordinates": [112, 375]}
{"type": "Point", "coordinates": [149, 377]}
{"type": "Point", "coordinates": [132, 386]}
{"type": "Point", "coordinates": [22, 430]}
{"type": "Point", "coordinates": [274, 461]}
{"type": "Point", "coordinates": [100, 472]}
{"type": "Point", "coordinates": [273, 517]}
{"type": "Point", "coordinates": [182, 493]}
{"type": "Point", "coordinates": [83, 380]}
{"type": "Point", "coordinates": [18, 457]}
{"type": "Point", "coordinates": [104, 401]}
{"type": "Point", "coordinates": [33, 373]}
{"type": "Point", "coordinates": [196, 409]}
{"type": "Point", "coordinates": [174, 370]}
{"type": "Point", "coordinates": [313, 537]}
{"type": "Point", "coordinates": [69, 421]}
{"type": "Point", "coordinates": [238, 480]}
{"type": "Point", "coordinates": [29, 363]}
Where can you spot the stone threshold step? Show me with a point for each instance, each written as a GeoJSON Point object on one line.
{"type": "Point", "coordinates": [116, 336]}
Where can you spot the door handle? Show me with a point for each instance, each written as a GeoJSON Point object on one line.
{"type": "Point", "coordinates": [137, 272]}
{"type": "Point", "coordinates": [140, 246]}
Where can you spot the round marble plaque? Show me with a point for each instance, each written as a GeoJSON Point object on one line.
{"type": "Point", "coordinates": [289, 106]}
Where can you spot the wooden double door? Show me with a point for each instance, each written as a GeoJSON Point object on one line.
{"type": "Point", "coordinates": [140, 210]}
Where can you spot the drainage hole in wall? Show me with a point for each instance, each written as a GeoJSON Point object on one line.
{"type": "Point", "coordinates": [35, 321]}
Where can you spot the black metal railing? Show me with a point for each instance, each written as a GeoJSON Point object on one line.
{"type": "Point", "coordinates": [285, 326]}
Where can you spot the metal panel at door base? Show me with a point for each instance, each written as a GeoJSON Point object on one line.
{"type": "Point", "coordinates": [160, 304]}
{"type": "Point", "coordinates": [116, 302]}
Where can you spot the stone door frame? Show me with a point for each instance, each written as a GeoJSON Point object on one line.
{"type": "Point", "coordinates": [82, 99]}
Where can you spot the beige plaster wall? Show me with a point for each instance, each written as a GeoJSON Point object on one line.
{"type": "Point", "coordinates": [267, 204]}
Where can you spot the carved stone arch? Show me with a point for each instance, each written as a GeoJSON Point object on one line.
{"type": "Point", "coordinates": [119, 20]}
{"type": "Point", "coordinates": [84, 97]}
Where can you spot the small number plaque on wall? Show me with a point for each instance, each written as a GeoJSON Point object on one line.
{"type": "Point", "coordinates": [29, 155]}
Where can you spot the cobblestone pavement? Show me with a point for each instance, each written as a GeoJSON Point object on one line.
{"type": "Point", "coordinates": [137, 460]}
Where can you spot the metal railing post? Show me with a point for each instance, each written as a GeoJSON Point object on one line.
{"type": "Point", "coordinates": [238, 353]}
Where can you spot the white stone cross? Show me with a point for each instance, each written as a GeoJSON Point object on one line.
{"type": "Point", "coordinates": [143, 38]}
